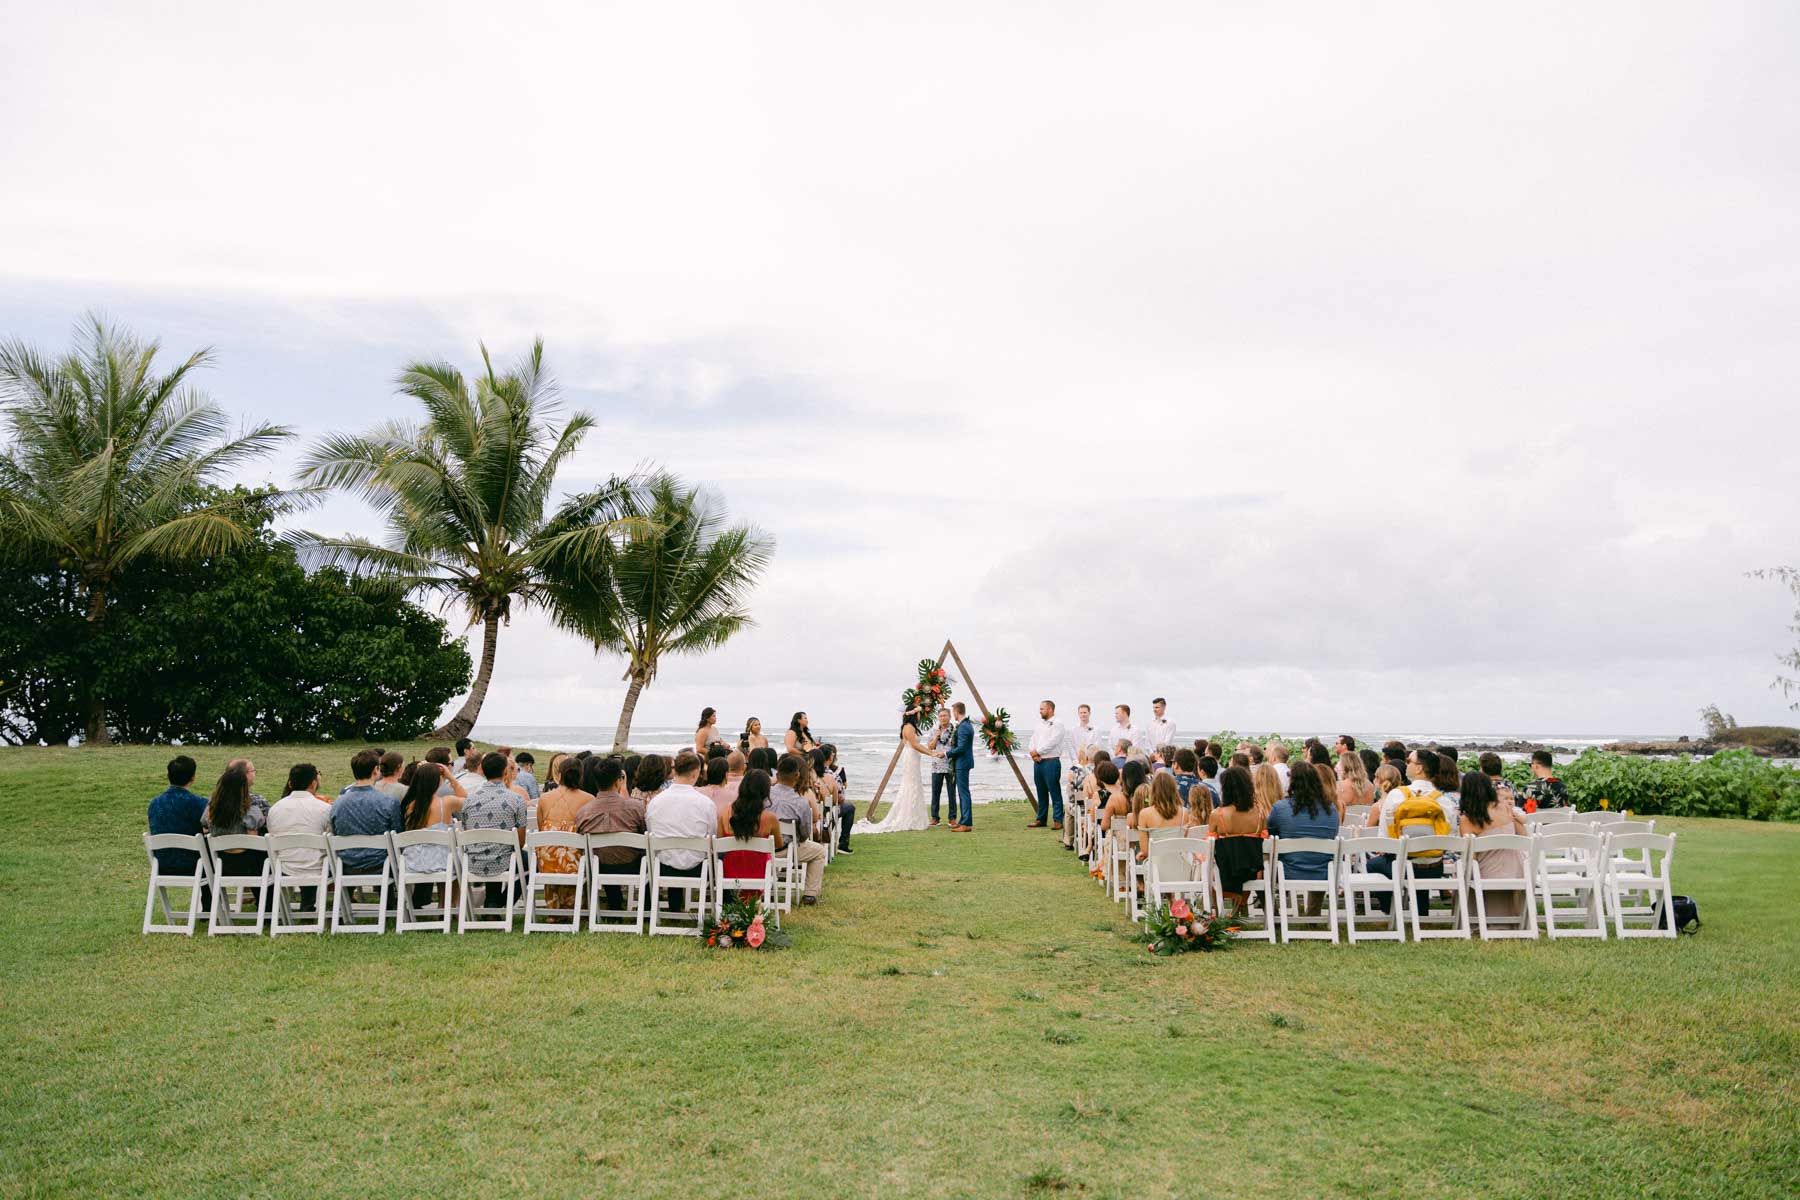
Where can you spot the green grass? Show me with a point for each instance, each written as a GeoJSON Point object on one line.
{"type": "Point", "coordinates": [963, 1016]}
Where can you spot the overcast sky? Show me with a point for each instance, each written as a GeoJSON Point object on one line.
{"type": "Point", "coordinates": [1385, 368]}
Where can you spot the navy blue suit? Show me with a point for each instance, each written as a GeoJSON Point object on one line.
{"type": "Point", "coordinates": [962, 761]}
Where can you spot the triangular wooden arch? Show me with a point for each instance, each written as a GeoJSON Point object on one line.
{"type": "Point", "coordinates": [950, 654]}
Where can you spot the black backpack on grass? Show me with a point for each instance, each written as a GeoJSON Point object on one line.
{"type": "Point", "coordinates": [1687, 915]}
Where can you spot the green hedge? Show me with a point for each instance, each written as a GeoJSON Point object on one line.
{"type": "Point", "coordinates": [1734, 783]}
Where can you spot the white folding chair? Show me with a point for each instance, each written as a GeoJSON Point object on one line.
{"type": "Point", "coordinates": [224, 903]}
{"type": "Point", "coordinates": [1258, 921]}
{"type": "Point", "coordinates": [1419, 888]}
{"type": "Point", "coordinates": [696, 890]}
{"type": "Point", "coordinates": [1289, 892]}
{"type": "Point", "coordinates": [790, 872]}
{"type": "Point", "coordinates": [290, 873]}
{"type": "Point", "coordinates": [348, 914]}
{"type": "Point", "coordinates": [1480, 885]}
{"type": "Point", "coordinates": [475, 913]}
{"type": "Point", "coordinates": [1140, 870]}
{"type": "Point", "coordinates": [1357, 880]}
{"type": "Point", "coordinates": [1549, 816]}
{"type": "Point", "coordinates": [1120, 843]}
{"type": "Point", "coordinates": [1639, 865]}
{"type": "Point", "coordinates": [1180, 866]}
{"type": "Point", "coordinates": [564, 920]}
{"type": "Point", "coordinates": [636, 883]}
{"type": "Point", "coordinates": [724, 881]}
{"type": "Point", "coordinates": [1356, 816]}
{"type": "Point", "coordinates": [196, 882]}
{"type": "Point", "coordinates": [1571, 866]}
{"type": "Point", "coordinates": [410, 917]}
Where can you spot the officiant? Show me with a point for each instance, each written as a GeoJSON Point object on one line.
{"type": "Point", "coordinates": [1048, 741]}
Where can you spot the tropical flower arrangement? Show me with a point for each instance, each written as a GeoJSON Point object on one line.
{"type": "Point", "coordinates": [1175, 928]}
{"type": "Point", "coordinates": [996, 731]}
{"type": "Point", "coordinates": [742, 927]}
{"type": "Point", "coordinates": [928, 695]}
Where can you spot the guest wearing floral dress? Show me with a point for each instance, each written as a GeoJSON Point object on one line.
{"type": "Point", "coordinates": [556, 809]}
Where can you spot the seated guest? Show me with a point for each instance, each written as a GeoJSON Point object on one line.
{"type": "Point", "coordinates": [556, 810]}
{"type": "Point", "coordinates": [1187, 773]}
{"type": "Point", "coordinates": [1214, 751]}
{"type": "Point", "coordinates": [632, 762]}
{"type": "Point", "coordinates": [678, 810]}
{"type": "Point", "coordinates": [229, 813]}
{"type": "Point", "coordinates": [1105, 780]}
{"type": "Point", "coordinates": [1418, 808]}
{"type": "Point", "coordinates": [1121, 753]}
{"type": "Point", "coordinates": [469, 774]}
{"type": "Point", "coordinates": [425, 806]}
{"type": "Point", "coordinates": [1270, 787]}
{"type": "Point", "coordinates": [1494, 769]}
{"type": "Point", "coordinates": [1386, 780]}
{"type": "Point", "coordinates": [526, 762]}
{"type": "Point", "coordinates": [1306, 811]}
{"type": "Point", "coordinates": [387, 773]}
{"type": "Point", "coordinates": [300, 810]}
{"type": "Point", "coordinates": [1161, 810]}
{"type": "Point", "coordinates": [1209, 779]}
{"type": "Point", "coordinates": [1257, 758]}
{"type": "Point", "coordinates": [712, 779]}
{"type": "Point", "coordinates": [363, 810]}
{"type": "Point", "coordinates": [493, 805]}
{"type": "Point", "coordinates": [1371, 762]}
{"type": "Point", "coordinates": [790, 805]}
{"type": "Point", "coordinates": [1545, 790]}
{"type": "Point", "coordinates": [1448, 780]}
{"type": "Point", "coordinates": [1277, 756]}
{"type": "Point", "coordinates": [510, 777]}
{"type": "Point", "coordinates": [652, 774]}
{"type": "Point", "coordinates": [1483, 811]}
{"type": "Point", "coordinates": [449, 784]}
{"type": "Point", "coordinates": [726, 792]}
{"type": "Point", "coordinates": [750, 817]}
{"type": "Point", "coordinates": [1237, 829]}
{"type": "Point", "coordinates": [824, 764]}
{"type": "Point", "coordinates": [1239, 758]}
{"type": "Point", "coordinates": [613, 809]}
{"type": "Point", "coordinates": [1395, 752]}
{"type": "Point", "coordinates": [1352, 785]}
{"type": "Point", "coordinates": [178, 810]}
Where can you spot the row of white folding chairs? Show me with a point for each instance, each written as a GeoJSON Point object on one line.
{"type": "Point", "coordinates": [1577, 880]}
{"type": "Point", "coordinates": [269, 898]}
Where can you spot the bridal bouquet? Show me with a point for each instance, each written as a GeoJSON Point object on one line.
{"type": "Point", "coordinates": [742, 926]}
{"type": "Point", "coordinates": [1175, 928]}
{"type": "Point", "coordinates": [996, 731]}
{"type": "Point", "coordinates": [930, 693]}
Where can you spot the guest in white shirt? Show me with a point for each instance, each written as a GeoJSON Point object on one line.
{"type": "Point", "coordinates": [1123, 730]}
{"type": "Point", "coordinates": [1048, 742]}
{"type": "Point", "coordinates": [469, 774]}
{"type": "Point", "coordinates": [1278, 758]}
{"type": "Point", "coordinates": [300, 810]}
{"type": "Point", "coordinates": [681, 810]}
{"type": "Point", "coordinates": [1161, 730]}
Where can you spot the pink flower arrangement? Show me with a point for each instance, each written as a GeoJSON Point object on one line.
{"type": "Point", "coordinates": [756, 933]}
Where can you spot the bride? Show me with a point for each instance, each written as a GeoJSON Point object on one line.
{"type": "Point", "coordinates": [910, 811]}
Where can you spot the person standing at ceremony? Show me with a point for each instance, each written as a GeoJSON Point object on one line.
{"type": "Point", "coordinates": [962, 761]}
{"type": "Point", "coordinates": [1160, 731]}
{"type": "Point", "coordinates": [942, 738]}
{"type": "Point", "coordinates": [1084, 738]}
{"type": "Point", "coordinates": [1122, 731]}
{"type": "Point", "coordinates": [799, 738]}
{"type": "Point", "coordinates": [1048, 741]}
{"type": "Point", "coordinates": [707, 732]}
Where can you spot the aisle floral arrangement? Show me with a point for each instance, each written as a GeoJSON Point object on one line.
{"type": "Point", "coordinates": [742, 927]}
{"type": "Point", "coordinates": [929, 694]}
{"type": "Point", "coordinates": [1175, 928]}
{"type": "Point", "coordinates": [996, 731]}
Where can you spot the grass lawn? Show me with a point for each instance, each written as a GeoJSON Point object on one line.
{"type": "Point", "coordinates": [963, 1016]}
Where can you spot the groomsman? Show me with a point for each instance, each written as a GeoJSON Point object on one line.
{"type": "Point", "coordinates": [1123, 730]}
{"type": "Point", "coordinates": [1161, 730]}
{"type": "Point", "coordinates": [1084, 739]}
{"type": "Point", "coordinates": [1047, 743]}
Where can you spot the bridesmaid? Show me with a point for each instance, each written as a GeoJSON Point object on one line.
{"type": "Point", "coordinates": [752, 738]}
{"type": "Point", "coordinates": [707, 733]}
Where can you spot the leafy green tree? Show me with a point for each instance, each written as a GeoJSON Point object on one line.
{"type": "Point", "coordinates": [466, 495]}
{"type": "Point", "coordinates": [675, 583]}
{"type": "Point", "coordinates": [1785, 683]}
{"type": "Point", "coordinates": [309, 658]}
{"type": "Point", "coordinates": [104, 461]}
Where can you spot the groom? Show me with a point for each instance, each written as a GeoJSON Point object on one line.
{"type": "Point", "coordinates": [962, 760]}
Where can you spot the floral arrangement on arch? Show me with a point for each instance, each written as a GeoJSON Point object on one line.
{"type": "Point", "coordinates": [741, 926]}
{"type": "Point", "coordinates": [929, 694]}
{"type": "Point", "coordinates": [1175, 928]}
{"type": "Point", "coordinates": [997, 732]}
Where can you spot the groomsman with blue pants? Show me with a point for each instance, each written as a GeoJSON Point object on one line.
{"type": "Point", "coordinates": [1047, 743]}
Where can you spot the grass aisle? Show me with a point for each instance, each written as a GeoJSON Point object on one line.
{"type": "Point", "coordinates": [963, 1016]}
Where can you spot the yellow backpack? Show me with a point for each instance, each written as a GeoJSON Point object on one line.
{"type": "Point", "coordinates": [1420, 815]}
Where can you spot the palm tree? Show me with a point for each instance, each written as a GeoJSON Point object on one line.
{"type": "Point", "coordinates": [675, 582]}
{"type": "Point", "coordinates": [465, 495]}
{"type": "Point", "coordinates": [106, 467]}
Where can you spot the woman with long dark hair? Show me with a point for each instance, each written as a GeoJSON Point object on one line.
{"type": "Point", "coordinates": [425, 807]}
{"type": "Point", "coordinates": [707, 732]}
{"type": "Point", "coordinates": [1237, 829]}
{"type": "Point", "coordinates": [752, 738]}
{"type": "Point", "coordinates": [750, 817]}
{"type": "Point", "coordinates": [1485, 811]}
{"type": "Point", "coordinates": [1306, 811]}
{"type": "Point", "coordinates": [230, 813]}
{"type": "Point", "coordinates": [799, 738]}
{"type": "Point", "coordinates": [652, 772]}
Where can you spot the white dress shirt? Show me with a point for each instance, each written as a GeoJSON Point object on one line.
{"type": "Point", "coordinates": [1048, 739]}
{"type": "Point", "coordinates": [1083, 739]}
{"type": "Point", "coordinates": [301, 812]}
{"type": "Point", "coordinates": [1161, 732]}
{"type": "Point", "coordinates": [681, 810]}
{"type": "Point", "coordinates": [1122, 733]}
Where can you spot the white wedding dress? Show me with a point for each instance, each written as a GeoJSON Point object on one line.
{"type": "Point", "coordinates": [910, 811]}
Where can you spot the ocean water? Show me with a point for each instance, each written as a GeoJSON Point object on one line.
{"type": "Point", "coordinates": [865, 753]}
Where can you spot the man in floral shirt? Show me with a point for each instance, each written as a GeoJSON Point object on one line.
{"type": "Point", "coordinates": [1545, 790]}
{"type": "Point", "coordinates": [493, 805]}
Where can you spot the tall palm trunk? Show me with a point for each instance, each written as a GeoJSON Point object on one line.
{"type": "Point", "coordinates": [631, 698]}
{"type": "Point", "coordinates": [94, 732]}
{"type": "Point", "coordinates": [464, 720]}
